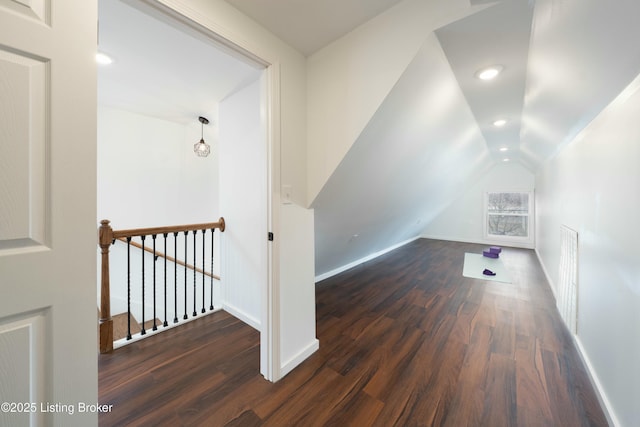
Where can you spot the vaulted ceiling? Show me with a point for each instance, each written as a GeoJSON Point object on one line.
{"type": "Point", "coordinates": [562, 62]}
{"type": "Point", "coordinates": [497, 36]}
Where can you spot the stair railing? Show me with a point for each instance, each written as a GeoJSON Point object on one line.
{"type": "Point", "coordinates": [168, 258]}
{"type": "Point", "coordinates": [107, 237]}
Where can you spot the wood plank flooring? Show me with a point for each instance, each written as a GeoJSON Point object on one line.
{"type": "Point", "coordinates": [405, 340]}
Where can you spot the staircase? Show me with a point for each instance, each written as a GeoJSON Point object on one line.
{"type": "Point", "coordinates": [156, 285]}
{"type": "Point", "coordinates": [120, 326]}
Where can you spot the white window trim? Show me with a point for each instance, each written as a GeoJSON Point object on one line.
{"type": "Point", "coordinates": [529, 239]}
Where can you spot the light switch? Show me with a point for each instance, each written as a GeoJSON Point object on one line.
{"type": "Point", "coordinates": [286, 194]}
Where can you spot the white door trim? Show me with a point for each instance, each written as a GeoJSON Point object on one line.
{"type": "Point", "coordinates": [270, 335]}
{"type": "Point", "coordinates": [270, 331]}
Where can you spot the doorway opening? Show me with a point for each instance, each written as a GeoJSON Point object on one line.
{"type": "Point", "coordinates": [168, 71]}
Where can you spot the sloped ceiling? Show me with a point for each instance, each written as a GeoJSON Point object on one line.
{"type": "Point", "coordinates": [583, 53]}
{"type": "Point", "coordinates": [431, 138]}
{"type": "Point", "coordinates": [564, 61]}
{"type": "Point", "coordinates": [416, 154]}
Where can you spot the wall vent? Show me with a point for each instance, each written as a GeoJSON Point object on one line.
{"type": "Point", "coordinates": [568, 274]}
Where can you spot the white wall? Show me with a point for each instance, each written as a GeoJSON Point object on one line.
{"type": "Point", "coordinates": [593, 186]}
{"type": "Point", "coordinates": [148, 174]}
{"type": "Point", "coordinates": [463, 220]}
{"type": "Point", "coordinates": [243, 199]}
{"type": "Point", "coordinates": [289, 122]}
{"type": "Point", "coordinates": [298, 291]}
{"type": "Point", "coordinates": [228, 22]}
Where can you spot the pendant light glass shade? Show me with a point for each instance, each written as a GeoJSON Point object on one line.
{"type": "Point", "coordinates": [201, 148]}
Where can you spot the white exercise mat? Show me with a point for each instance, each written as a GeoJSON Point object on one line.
{"type": "Point", "coordinates": [474, 265]}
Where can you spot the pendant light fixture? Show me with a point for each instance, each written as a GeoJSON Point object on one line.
{"type": "Point", "coordinates": [201, 148]}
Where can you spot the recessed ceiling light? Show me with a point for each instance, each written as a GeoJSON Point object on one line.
{"type": "Point", "coordinates": [103, 59]}
{"type": "Point", "coordinates": [505, 160]}
{"type": "Point", "coordinates": [489, 73]}
{"type": "Point", "coordinates": [504, 149]}
{"type": "Point", "coordinates": [499, 123]}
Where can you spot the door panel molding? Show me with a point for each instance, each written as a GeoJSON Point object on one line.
{"type": "Point", "coordinates": [24, 378]}
{"type": "Point", "coordinates": [24, 112]}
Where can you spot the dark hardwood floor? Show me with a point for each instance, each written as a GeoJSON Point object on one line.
{"type": "Point", "coordinates": [405, 340]}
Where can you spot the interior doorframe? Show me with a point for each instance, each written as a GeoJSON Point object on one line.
{"type": "Point", "coordinates": [270, 299]}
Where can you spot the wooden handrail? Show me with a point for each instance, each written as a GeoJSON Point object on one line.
{"type": "Point", "coordinates": [106, 236]}
{"type": "Point", "coordinates": [170, 229]}
{"type": "Point", "coordinates": [168, 257]}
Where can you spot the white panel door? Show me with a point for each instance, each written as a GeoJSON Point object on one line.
{"type": "Point", "coordinates": [48, 340]}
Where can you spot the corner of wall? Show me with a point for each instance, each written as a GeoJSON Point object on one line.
{"type": "Point", "coordinates": [357, 262]}
{"type": "Point", "coordinates": [296, 308]}
{"type": "Point", "coordinates": [546, 273]}
{"type": "Point", "coordinates": [293, 362]}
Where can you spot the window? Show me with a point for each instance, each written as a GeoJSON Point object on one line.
{"type": "Point", "coordinates": [508, 216]}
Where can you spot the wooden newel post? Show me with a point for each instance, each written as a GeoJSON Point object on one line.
{"type": "Point", "coordinates": [105, 239]}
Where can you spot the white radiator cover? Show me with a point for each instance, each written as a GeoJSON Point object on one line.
{"type": "Point", "coordinates": [568, 278]}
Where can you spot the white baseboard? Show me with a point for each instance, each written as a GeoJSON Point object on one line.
{"type": "Point", "coordinates": [593, 377]}
{"type": "Point", "coordinates": [290, 364]}
{"type": "Point", "coordinates": [546, 274]}
{"type": "Point", "coordinates": [602, 396]}
{"type": "Point", "coordinates": [236, 312]}
{"type": "Point", "coordinates": [346, 267]}
{"type": "Point", "coordinates": [479, 241]}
